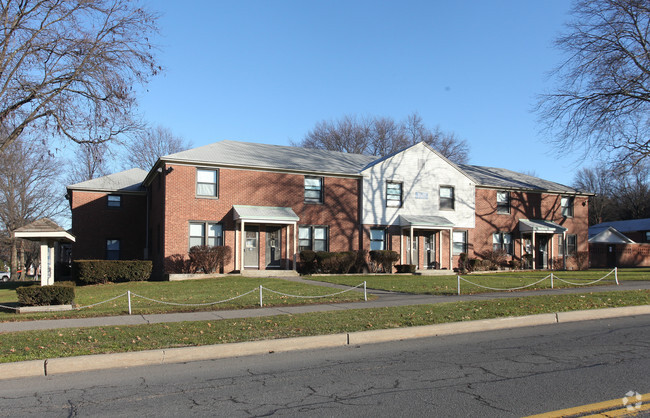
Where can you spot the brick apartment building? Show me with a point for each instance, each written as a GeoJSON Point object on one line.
{"type": "Point", "coordinates": [269, 202]}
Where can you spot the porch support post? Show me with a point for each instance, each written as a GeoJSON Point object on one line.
{"type": "Point", "coordinates": [521, 248]}
{"type": "Point", "coordinates": [243, 246]}
{"type": "Point", "coordinates": [236, 248]}
{"type": "Point", "coordinates": [564, 248]}
{"type": "Point", "coordinates": [295, 245]}
{"type": "Point", "coordinates": [411, 245]}
{"type": "Point", "coordinates": [451, 248]}
{"type": "Point", "coordinates": [551, 251]}
{"type": "Point", "coordinates": [440, 249]}
{"type": "Point", "coordinates": [534, 250]}
{"type": "Point", "coordinates": [287, 246]}
{"type": "Point", "coordinates": [401, 245]}
{"type": "Point", "coordinates": [47, 263]}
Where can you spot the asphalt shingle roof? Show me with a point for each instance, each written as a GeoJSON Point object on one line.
{"type": "Point", "coordinates": [500, 177]}
{"type": "Point", "coordinates": [124, 181]}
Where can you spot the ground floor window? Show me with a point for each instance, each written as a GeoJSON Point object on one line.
{"type": "Point", "coordinates": [502, 241]}
{"type": "Point", "coordinates": [313, 237]}
{"type": "Point", "coordinates": [377, 239]}
{"type": "Point", "coordinates": [206, 233]}
{"type": "Point", "coordinates": [112, 249]}
{"type": "Point", "coordinates": [571, 244]}
{"type": "Point", "coordinates": [460, 242]}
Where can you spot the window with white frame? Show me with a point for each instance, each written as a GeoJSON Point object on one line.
{"type": "Point", "coordinates": [459, 242]}
{"type": "Point", "coordinates": [112, 249]}
{"type": "Point", "coordinates": [207, 182]}
{"type": "Point", "coordinates": [114, 201]}
{"type": "Point", "coordinates": [567, 206]}
{"type": "Point", "coordinates": [503, 202]}
{"type": "Point", "coordinates": [313, 189]}
{"type": "Point", "coordinates": [447, 198]}
{"type": "Point", "coordinates": [377, 239]}
{"type": "Point", "coordinates": [502, 241]}
{"type": "Point", "coordinates": [206, 233]}
{"type": "Point", "coordinates": [313, 237]}
{"type": "Point", "coordinates": [394, 194]}
{"type": "Point", "coordinates": [571, 245]}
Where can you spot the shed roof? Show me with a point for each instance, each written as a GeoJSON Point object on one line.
{"type": "Point", "coordinates": [265, 213]}
{"type": "Point", "coordinates": [541, 226]}
{"type": "Point", "coordinates": [630, 225]}
{"type": "Point", "coordinates": [424, 221]}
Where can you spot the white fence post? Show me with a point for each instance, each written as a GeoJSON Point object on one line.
{"type": "Point", "coordinates": [616, 275]}
{"type": "Point", "coordinates": [128, 295]}
{"type": "Point", "coordinates": [458, 278]}
{"type": "Point", "coordinates": [551, 280]}
{"type": "Point", "coordinates": [261, 304]}
{"type": "Point", "coordinates": [365, 294]}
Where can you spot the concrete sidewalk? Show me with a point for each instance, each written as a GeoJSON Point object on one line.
{"type": "Point", "coordinates": [385, 299]}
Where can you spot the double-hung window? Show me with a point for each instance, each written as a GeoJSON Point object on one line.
{"type": "Point", "coordinates": [114, 201]}
{"type": "Point", "coordinates": [112, 249]}
{"type": "Point", "coordinates": [502, 241]}
{"type": "Point", "coordinates": [312, 237]}
{"type": "Point", "coordinates": [207, 182]}
{"type": "Point", "coordinates": [571, 245]}
{"type": "Point", "coordinates": [459, 242]}
{"type": "Point", "coordinates": [313, 189]}
{"type": "Point", "coordinates": [447, 198]}
{"type": "Point", "coordinates": [393, 194]}
{"type": "Point", "coordinates": [503, 202]}
{"type": "Point", "coordinates": [206, 233]}
{"type": "Point", "coordinates": [377, 239]}
{"type": "Point", "coordinates": [567, 206]}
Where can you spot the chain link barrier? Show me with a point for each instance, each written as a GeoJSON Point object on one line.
{"type": "Point", "coordinates": [312, 297]}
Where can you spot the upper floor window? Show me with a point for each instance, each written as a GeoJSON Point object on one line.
{"type": "Point", "coordinates": [567, 206]}
{"type": "Point", "coordinates": [314, 189]}
{"type": "Point", "coordinates": [206, 233]}
{"type": "Point", "coordinates": [312, 238]}
{"type": "Point", "coordinates": [377, 239]}
{"type": "Point", "coordinates": [393, 194]}
{"type": "Point", "coordinates": [112, 249]}
{"type": "Point", "coordinates": [459, 242]}
{"type": "Point", "coordinates": [206, 182]}
{"type": "Point", "coordinates": [114, 201]}
{"type": "Point", "coordinates": [503, 202]}
{"type": "Point", "coordinates": [502, 241]}
{"type": "Point", "coordinates": [446, 197]}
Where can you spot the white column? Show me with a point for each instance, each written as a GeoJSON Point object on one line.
{"type": "Point", "coordinates": [564, 248]}
{"type": "Point", "coordinates": [534, 250]}
{"type": "Point", "coordinates": [401, 245]}
{"type": "Point", "coordinates": [411, 245]}
{"type": "Point", "coordinates": [440, 249]}
{"type": "Point", "coordinates": [521, 249]}
{"type": "Point", "coordinates": [236, 248]}
{"type": "Point", "coordinates": [451, 248]}
{"type": "Point", "coordinates": [50, 269]}
{"type": "Point", "coordinates": [243, 246]}
{"type": "Point", "coordinates": [288, 238]}
{"type": "Point", "coordinates": [295, 245]}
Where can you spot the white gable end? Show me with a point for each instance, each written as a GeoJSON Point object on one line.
{"type": "Point", "coordinates": [421, 173]}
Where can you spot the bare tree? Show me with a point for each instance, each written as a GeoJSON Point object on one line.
{"type": "Point", "coordinates": [602, 103]}
{"type": "Point", "coordinates": [67, 68]}
{"type": "Point", "coordinates": [150, 144]}
{"type": "Point", "coordinates": [598, 181]}
{"type": "Point", "coordinates": [29, 190]}
{"type": "Point", "coordinates": [91, 161]}
{"type": "Point", "coordinates": [382, 136]}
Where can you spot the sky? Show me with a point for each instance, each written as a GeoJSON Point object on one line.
{"type": "Point", "coordinates": [268, 71]}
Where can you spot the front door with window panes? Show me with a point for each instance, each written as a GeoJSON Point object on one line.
{"type": "Point", "coordinates": [414, 249]}
{"type": "Point", "coordinates": [273, 247]}
{"type": "Point", "coordinates": [542, 252]}
{"type": "Point", "coordinates": [431, 251]}
{"type": "Point", "coordinates": [251, 247]}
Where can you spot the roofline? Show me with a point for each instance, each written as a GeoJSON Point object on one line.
{"type": "Point", "coordinates": [97, 190]}
{"type": "Point", "coordinates": [574, 193]}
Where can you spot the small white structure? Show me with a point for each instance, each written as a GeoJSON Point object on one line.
{"type": "Point", "coordinates": [47, 232]}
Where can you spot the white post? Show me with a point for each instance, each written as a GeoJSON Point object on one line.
{"type": "Point", "coordinates": [616, 275]}
{"type": "Point", "coordinates": [45, 265]}
{"type": "Point", "coordinates": [242, 250]}
{"type": "Point", "coordinates": [411, 245]}
{"type": "Point", "coordinates": [128, 296]}
{"type": "Point", "coordinates": [551, 280]}
{"type": "Point", "coordinates": [458, 277]}
{"type": "Point", "coordinates": [534, 251]}
{"type": "Point", "coordinates": [365, 294]}
{"type": "Point", "coordinates": [261, 304]}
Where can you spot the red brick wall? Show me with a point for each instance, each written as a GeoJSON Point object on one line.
{"type": "Point", "coordinates": [524, 205]}
{"type": "Point", "coordinates": [93, 222]}
{"type": "Point", "coordinates": [258, 188]}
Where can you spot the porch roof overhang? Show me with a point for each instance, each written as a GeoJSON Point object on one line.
{"type": "Point", "coordinates": [425, 222]}
{"type": "Point", "coordinates": [264, 214]}
{"type": "Point", "coordinates": [540, 226]}
{"type": "Point", "coordinates": [44, 230]}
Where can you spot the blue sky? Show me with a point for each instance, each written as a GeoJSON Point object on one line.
{"type": "Point", "coordinates": [267, 71]}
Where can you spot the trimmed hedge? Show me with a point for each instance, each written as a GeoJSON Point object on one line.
{"type": "Point", "coordinates": [104, 271]}
{"type": "Point", "coordinates": [384, 258]}
{"type": "Point", "coordinates": [332, 262]}
{"type": "Point", "coordinates": [56, 294]}
{"type": "Point", "coordinates": [208, 259]}
{"type": "Point", "coordinates": [405, 268]}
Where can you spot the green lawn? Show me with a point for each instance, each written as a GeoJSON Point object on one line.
{"type": "Point", "coordinates": [448, 285]}
{"type": "Point", "coordinates": [32, 345]}
{"type": "Point", "coordinates": [188, 292]}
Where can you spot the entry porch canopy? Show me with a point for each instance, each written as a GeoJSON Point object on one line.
{"type": "Point", "coordinates": [427, 222]}
{"type": "Point", "coordinates": [47, 232]}
{"type": "Point", "coordinates": [541, 226]}
{"type": "Point", "coordinates": [244, 214]}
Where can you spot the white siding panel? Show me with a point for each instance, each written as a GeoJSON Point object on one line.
{"type": "Point", "coordinates": [422, 172]}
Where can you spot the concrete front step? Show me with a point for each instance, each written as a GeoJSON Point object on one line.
{"type": "Point", "coordinates": [270, 273]}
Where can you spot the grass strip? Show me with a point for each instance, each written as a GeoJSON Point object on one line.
{"type": "Point", "coordinates": [447, 284]}
{"type": "Point", "coordinates": [189, 292]}
{"type": "Point", "coordinates": [33, 345]}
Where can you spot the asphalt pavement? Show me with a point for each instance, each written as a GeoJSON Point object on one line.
{"type": "Point", "coordinates": [385, 299]}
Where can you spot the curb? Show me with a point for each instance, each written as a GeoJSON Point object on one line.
{"type": "Point", "coordinates": [63, 365]}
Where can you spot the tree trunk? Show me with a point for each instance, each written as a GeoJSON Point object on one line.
{"type": "Point", "coordinates": [14, 260]}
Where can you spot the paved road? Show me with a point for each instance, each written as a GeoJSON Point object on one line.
{"type": "Point", "coordinates": [386, 299]}
{"type": "Point", "coordinates": [502, 373]}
